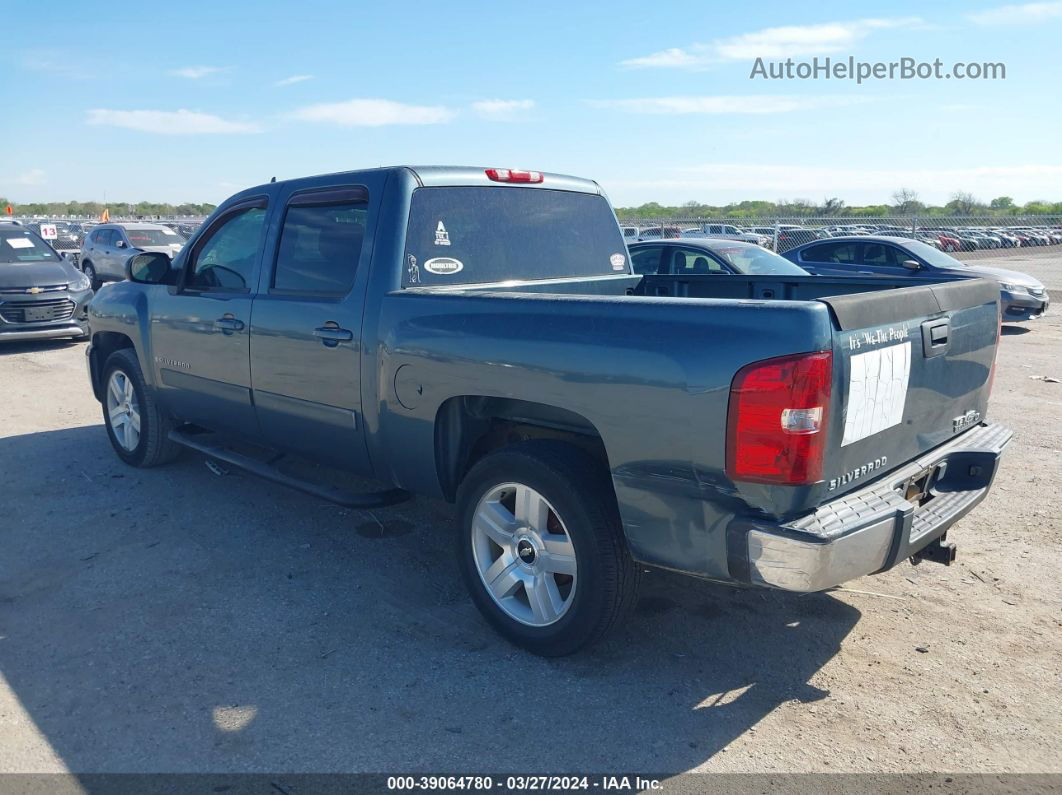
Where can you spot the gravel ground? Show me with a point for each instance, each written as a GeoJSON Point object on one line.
{"type": "Point", "coordinates": [178, 620]}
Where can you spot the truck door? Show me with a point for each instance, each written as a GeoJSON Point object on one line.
{"type": "Point", "coordinates": [306, 326]}
{"type": "Point", "coordinates": [200, 329]}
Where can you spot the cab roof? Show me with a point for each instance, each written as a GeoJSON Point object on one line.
{"type": "Point", "coordinates": [439, 176]}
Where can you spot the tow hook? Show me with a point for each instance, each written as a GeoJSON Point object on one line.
{"type": "Point", "coordinates": [937, 551]}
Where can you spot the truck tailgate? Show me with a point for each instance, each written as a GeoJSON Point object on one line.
{"type": "Point", "coordinates": [911, 369]}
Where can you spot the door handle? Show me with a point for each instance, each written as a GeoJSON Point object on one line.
{"type": "Point", "coordinates": [332, 335]}
{"type": "Point", "coordinates": [228, 324]}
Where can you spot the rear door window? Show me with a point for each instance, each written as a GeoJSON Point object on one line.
{"type": "Point", "coordinates": [473, 235]}
{"type": "Point", "coordinates": [321, 241]}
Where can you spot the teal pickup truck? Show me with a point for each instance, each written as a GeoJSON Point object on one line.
{"type": "Point", "coordinates": [478, 335]}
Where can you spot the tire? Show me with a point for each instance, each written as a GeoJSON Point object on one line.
{"type": "Point", "coordinates": [123, 386]}
{"type": "Point", "coordinates": [578, 580]}
{"type": "Point", "coordinates": [89, 270]}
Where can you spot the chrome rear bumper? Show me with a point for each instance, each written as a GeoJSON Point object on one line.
{"type": "Point", "coordinates": [870, 530]}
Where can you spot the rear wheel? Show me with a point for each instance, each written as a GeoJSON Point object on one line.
{"type": "Point", "coordinates": [541, 547]}
{"type": "Point", "coordinates": [136, 425]}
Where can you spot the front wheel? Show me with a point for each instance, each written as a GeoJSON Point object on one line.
{"type": "Point", "coordinates": [136, 425]}
{"type": "Point", "coordinates": [90, 272]}
{"type": "Point", "coordinates": [541, 547]}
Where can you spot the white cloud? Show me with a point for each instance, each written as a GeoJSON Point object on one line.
{"type": "Point", "coordinates": [737, 181]}
{"type": "Point", "coordinates": [373, 113]}
{"type": "Point", "coordinates": [167, 122]}
{"type": "Point", "coordinates": [290, 81]}
{"type": "Point", "coordinates": [781, 42]}
{"type": "Point", "coordinates": [196, 72]}
{"type": "Point", "coordinates": [35, 176]}
{"type": "Point", "coordinates": [503, 109]}
{"type": "Point", "coordinates": [758, 104]}
{"type": "Point", "coordinates": [56, 62]}
{"type": "Point", "coordinates": [1025, 14]}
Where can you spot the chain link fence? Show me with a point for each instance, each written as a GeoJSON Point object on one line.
{"type": "Point", "coordinates": [965, 237]}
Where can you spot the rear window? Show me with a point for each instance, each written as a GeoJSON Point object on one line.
{"type": "Point", "coordinates": [472, 235]}
{"type": "Point", "coordinates": [756, 261]}
{"type": "Point", "coordinates": [153, 237]}
{"type": "Point", "coordinates": [18, 245]}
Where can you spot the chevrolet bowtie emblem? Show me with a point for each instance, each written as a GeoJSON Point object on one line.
{"type": "Point", "coordinates": [35, 290]}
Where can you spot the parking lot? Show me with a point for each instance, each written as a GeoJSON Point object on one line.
{"type": "Point", "coordinates": [193, 619]}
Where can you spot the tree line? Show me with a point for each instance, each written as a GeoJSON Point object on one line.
{"type": "Point", "coordinates": [93, 209]}
{"type": "Point", "coordinates": [904, 202]}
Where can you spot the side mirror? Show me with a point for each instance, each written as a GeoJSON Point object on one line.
{"type": "Point", "coordinates": [912, 265]}
{"type": "Point", "coordinates": [152, 267]}
{"type": "Point", "coordinates": [120, 244]}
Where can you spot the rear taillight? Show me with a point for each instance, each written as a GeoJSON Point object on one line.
{"type": "Point", "coordinates": [995, 353]}
{"type": "Point", "coordinates": [513, 175]}
{"type": "Point", "coordinates": [776, 424]}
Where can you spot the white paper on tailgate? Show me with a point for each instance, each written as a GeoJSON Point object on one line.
{"type": "Point", "coordinates": [877, 391]}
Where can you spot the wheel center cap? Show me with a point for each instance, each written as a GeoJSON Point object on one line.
{"type": "Point", "coordinates": [525, 550]}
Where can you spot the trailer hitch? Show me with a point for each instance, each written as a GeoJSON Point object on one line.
{"type": "Point", "coordinates": [938, 551]}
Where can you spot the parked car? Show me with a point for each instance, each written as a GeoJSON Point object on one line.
{"type": "Point", "coordinates": [108, 246]}
{"type": "Point", "coordinates": [959, 239]}
{"type": "Point", "coordinates": [67, 236]}
{"type": "Point", "coordinates": [657, 232]}
{"type": "Point", "coordinates": [630, 233]}
{"type": "Point", "coordinates": [794, 236]}
{"type": "Point", "coordinates": [1021, 297]}
{"type": "Point", "coordinates": [478, 335]}
{"type": "Point", "coordinates": [42, 294]}
{"type": "Point", "coordinates": [765, 231]}
{"type": "Point", "coordinates": [701, 256]}
{"type": "Point", "coordinates": [731, 232]}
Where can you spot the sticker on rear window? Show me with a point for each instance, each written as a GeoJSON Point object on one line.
{"type": "Point", "coordinates": [618, 261]}
{"type": "Point", "coordinates": [443, 266]}
{"type": "Point", "coordinates": [442, 237]}
{"type": "Point", "coordinates": [19, 242]}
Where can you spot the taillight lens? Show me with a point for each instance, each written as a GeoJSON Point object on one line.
{"type": "Point", "coordinates": [513, 175]}
{"type": "Point", "coordinates": [995, 353]}
{"type": "Point", "coordinates": [776, 424]}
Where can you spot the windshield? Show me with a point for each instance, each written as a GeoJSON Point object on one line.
{"type": "Point", "coordinates": [473, 235]}
{"type": "Point", "coordinates": [933, 255]}
{"type": "Point", "coordinates": [153, 237]}
{"type": "Point", "coordinates": [756, 261]}
{"type": "Point", "coordinates": [19, 245]}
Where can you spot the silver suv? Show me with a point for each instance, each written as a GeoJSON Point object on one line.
{"type": "Point", "coordinates": [107, 248]}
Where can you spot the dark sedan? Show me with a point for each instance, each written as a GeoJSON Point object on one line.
{"type": "Point", "coordinates": [42, 295]}
{"type": "Point", "coordinates": [694, 256]}
{"type": "Point", "coordinates": [1022, 296]}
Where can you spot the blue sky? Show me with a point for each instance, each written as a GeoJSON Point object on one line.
{"type": "Point", "coordinates": [125, 101]}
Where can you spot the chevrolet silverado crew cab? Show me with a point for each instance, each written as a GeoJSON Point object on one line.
{"type": "Point", "coordinates": [478, 335]}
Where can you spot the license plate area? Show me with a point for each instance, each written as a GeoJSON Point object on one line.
{"type": "Point", "coordinates": [917, 489]}
{"type": "Point", "coordinates": [36, 313]}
